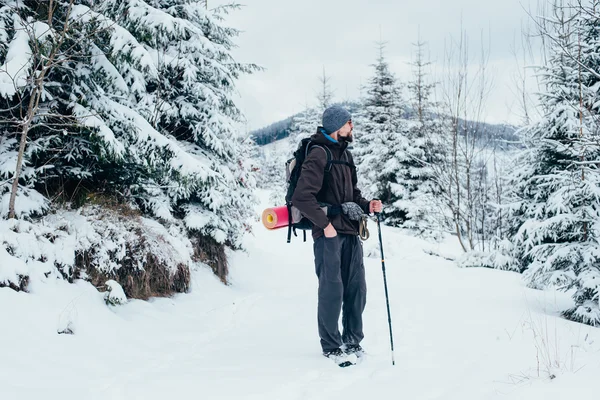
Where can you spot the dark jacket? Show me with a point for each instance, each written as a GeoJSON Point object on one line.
{"type": "Point", "coordinates": [339, 188]}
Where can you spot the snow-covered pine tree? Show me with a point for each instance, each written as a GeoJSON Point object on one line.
{"type": "Point", "coordinates": [587, 274]}
{"type": "Point", "coordinates": [420, 88]}
{"type": "Point", "coordinates": [305, 123]}
{"type": "Point", "coordinates": [138, 105]}
{"type": "Point", "coordinates": [555, 222]}
{"type": "Point", "coordinates": [189, 100]}
{"type": "Point", "coordinates": [325, 94]}
{"type": "Point", "coordinates": [424, 127]}
{"type": "Point", "coordinates": [382, 148]}
{"type": "Point", "coordinates": [154, 81]}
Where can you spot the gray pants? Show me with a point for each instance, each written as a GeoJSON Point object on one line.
{"type": "Point", "coordinates": [342, 288]}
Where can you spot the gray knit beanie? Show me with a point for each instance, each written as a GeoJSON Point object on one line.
{"type": "Point", "coordinates": [334, 118]}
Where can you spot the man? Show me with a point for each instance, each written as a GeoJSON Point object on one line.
{"type": "Point", "coordinates": [337, 248]}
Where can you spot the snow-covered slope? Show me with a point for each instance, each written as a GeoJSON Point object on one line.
{"type": "Point", "coordinates": [467, 334]}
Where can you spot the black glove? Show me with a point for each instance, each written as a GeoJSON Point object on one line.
{"type": "Point", "coordinates": [352, 210]}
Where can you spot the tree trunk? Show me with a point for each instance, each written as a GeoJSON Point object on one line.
{"type": "Point", "coordinates": [31, 110]}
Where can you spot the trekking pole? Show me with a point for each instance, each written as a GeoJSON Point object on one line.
{"type": "Point", "coordinates": [387, 299]}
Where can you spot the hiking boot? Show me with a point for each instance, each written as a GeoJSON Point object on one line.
{"type": "Point", "coordinates": [354, 349]}
{"type": "Point", "coordinates": [336, 355]}
{"type": "Point", "coordinates": [340, 358]}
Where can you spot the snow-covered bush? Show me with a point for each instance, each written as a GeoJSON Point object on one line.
{"type": "Point", "coordinates": [145, 257]}
{"type": "Point", "coordinates": [114, 295]}
{"type": "Point", "coordinates": [501, 259]}
{"type": "Point", "coordinates": [98, 243]}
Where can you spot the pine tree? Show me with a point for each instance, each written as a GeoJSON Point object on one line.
{"type": "Point", "coordinates": [556, 207]}
{"type": "Point", "coordinates": [325, 94]}
{"type": "Point", "coordinates": [140, 106]}
{"type": "Point", "coordinates": [382, 150]}
{"type": "Point", "coordinates": [423, 133]}
{"type": "Point", "coordinates": [190, 101]}
{"type": "Point", "coordinates": [304, 123]}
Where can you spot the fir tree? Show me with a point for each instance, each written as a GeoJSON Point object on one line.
{"type": "Point", "coordinates": [556, 208]}
{"type": "Point", "coordinates": [143, 95]}
{"type": "Point", "coordinates": [382, 149]}
{"type": "Point", "coordinates": [325, 94]}
{"type": "Point", "coordinates": [304, 123]}
{"type": "Point", "coordinates": [424, 127]}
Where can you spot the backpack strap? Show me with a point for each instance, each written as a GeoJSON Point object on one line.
{"type": "Point", "coordinates": [312, 145]}
{"type": "Point", "coordinates": [347, 162]}
{"type": "Point", "coordinates": [328, 164]}
{"type": "Point", "coordinates": [342, 163]}
{"type": "Point", "coordinates": [289, 209]}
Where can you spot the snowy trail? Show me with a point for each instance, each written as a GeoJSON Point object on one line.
{"type": "Point", "coordinates": [459, 334]}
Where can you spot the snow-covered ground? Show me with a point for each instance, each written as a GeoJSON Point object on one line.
{"type": "Point", "coordinates": [467, 334]}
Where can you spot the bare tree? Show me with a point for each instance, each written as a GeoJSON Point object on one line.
{"type": "Point", "coordinates": [461, 176]}
{"type": "Point", "coordinates": [45, 58]}
{"type": "Point", "coordinates": [529, 53]}
{"type": "Point", "coordinates": [53, 44]}
{"type": "Point", "coordinates": [524, 59]}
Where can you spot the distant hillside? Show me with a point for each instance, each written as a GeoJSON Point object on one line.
{"type": "Point", "coordinates": [281, 129]}
{"type": "Point", "coordinates": [275, 131]}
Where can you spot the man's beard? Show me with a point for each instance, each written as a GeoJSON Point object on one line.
{"type": "Point", "coordinates": [348, 138]}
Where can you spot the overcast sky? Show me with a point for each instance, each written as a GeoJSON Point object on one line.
{"type": "Point", "coordinates": [294, 40]}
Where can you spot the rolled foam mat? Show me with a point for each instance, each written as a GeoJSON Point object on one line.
{"type": "Point", "coordinates": [275, 217]}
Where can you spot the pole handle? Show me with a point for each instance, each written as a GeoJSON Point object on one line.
{"type": "Point", "coordinates": [377, 214]}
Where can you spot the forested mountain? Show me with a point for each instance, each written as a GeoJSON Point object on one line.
{"type": "Point", "coordinates": [281, 129]}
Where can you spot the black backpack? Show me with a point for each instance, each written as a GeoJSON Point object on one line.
{"type": "Point", "coordinates": [293, 168]}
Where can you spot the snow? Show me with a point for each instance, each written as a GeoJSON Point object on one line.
{"type": "Point", "coordinates": [114, 295]}
{"type": "Point", "coordinates": [122, 39]}
{"type": "Point", "coordinates": [15, 71]}
{"type": "Point", "coordinates": [12, 267]}
{"type": "Point", "coordinates": [184, 162]}
{"type": "Point", "coordinates": [88, 119]}
{"type": "Point", "coordinates": [27, 202]}
{"type": "Point", "coordinates": [459, 333]}
{"type": "Point", "coordinates": [46, 249]}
